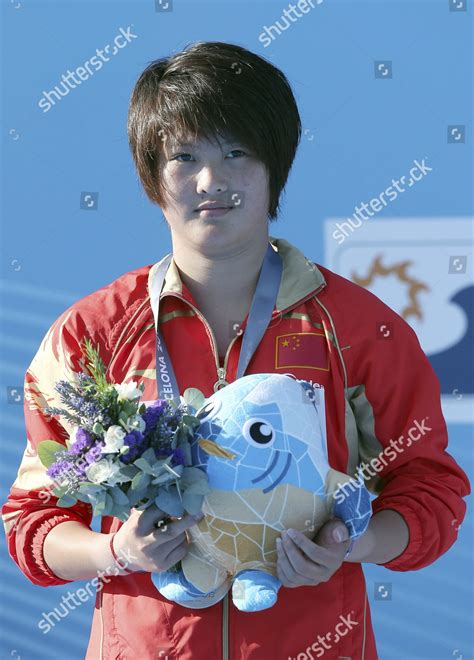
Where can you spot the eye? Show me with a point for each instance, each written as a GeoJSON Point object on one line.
{"type": "Point", "coordinates": [238, 150]}
{"type": "Point", "coordinates": [209, 410]}
{"type": "Point", "coordinates": [258, 432]}
{"type": "Point", "coordinates": [180, 156]}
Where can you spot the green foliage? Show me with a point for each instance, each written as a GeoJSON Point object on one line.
{"type": "Point", "coordinates": [95, 365]}
{"type": "Point", "coordinates": [66, 500]}
{"type": "Point", "coordinates": [194, 398]}
{"type": "Point", "coordinates": [98, 429]}
{"type": "Point", "coordinates": [140, 481]}
{"type": "Point", "coordinates": [168, 500]}
{"type": "Point", "coordinates": [191, 420]}
{"type": "Point", "coordinates": [47, 450]}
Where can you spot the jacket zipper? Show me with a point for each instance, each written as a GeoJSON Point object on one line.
{"type": "Point", "coordinates": [220, 382]}
{"type": "Point", "coordinates": [225, 627]}
{"type": "Point", "coordinates": [221, 371]}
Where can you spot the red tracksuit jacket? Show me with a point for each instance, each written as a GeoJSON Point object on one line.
{"type": "Point", "coordinates": [382, 400]}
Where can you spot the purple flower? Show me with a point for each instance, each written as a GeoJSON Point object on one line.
{"type": "Point", "coordinates": [59, 468]}
{"type": "Point", "coordinates": [79, 471]}
{"type": "Point", "coordinates": [133, 438]}
{"type": "Point", "coordinates": [179, 457]}
{"type": "Point", "coordinates": [153, 413]}
{"type": "Point", "coordinates": [83, 441]}
{"type": "Point", "coordinates": [83, 402]}
{"type": "Point", "coordinates": [94, 454]}
{"type": "Point", "coordinates": [135, 441]}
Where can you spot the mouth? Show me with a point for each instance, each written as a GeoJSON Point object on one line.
{"type": "Point", "coordinates": [270, 469]}
{"type": "Point", "coordinates": [212, 211]}
{"type": "Point", "coordinates": [214, 449]}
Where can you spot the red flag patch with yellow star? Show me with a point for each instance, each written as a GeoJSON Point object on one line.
{"type": "Point", "coordinates": [307, 350]}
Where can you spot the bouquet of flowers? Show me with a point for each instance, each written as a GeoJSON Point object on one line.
{"type": "Point", "coordinates": [122, 453]}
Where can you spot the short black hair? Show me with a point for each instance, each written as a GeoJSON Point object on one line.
{"type": "Point", "coordinates": [213, 89]}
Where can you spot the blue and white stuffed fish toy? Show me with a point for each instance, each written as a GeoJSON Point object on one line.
{"type": "Point", "coordinates": [262, 443]}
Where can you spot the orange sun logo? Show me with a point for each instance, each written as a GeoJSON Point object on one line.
{"type": "Point", "coordinates": [377, 269]}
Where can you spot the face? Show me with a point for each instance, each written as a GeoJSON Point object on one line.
{"type": "Point", "coordinates": [225, 174]}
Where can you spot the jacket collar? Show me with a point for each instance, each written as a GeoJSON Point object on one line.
{"type": "Point", "coordinates": [299, 279]}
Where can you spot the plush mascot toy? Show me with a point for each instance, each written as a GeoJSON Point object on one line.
{"type": "Point", "coordinates": [262, 443]}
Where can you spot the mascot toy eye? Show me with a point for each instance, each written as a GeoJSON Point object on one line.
{"type": "Point", "coordinates": [209, 410]}
{"type": "Point", "coordinates": [258, 432]}
{"type": "Point", "coordinates": [262, 443]}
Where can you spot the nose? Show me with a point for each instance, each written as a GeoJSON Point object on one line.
{"type": "Point", "coordinates": [210, 182]}
{"type": "Point", "coordinates": [213, 449]}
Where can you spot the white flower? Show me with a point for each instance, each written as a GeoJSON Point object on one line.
{"type": "Point", "coordinates": [103, 470]}
{"type": "Point", "coordinates": [72, 436]}
{"type": "Point", "coordinates": [113, 439]}
{"type": "Point", "coordinates": [128, 391]}
{"type": "Point", "coordinates": [136, 422]}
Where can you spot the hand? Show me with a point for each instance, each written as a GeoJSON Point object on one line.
{"type": "Point", "coordinates": [149, 547]}
{"type": "Point", "coordinates": [304, 562]}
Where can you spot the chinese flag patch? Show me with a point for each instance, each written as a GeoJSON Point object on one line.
{"type": "Point", "coordinates": [306, 350]}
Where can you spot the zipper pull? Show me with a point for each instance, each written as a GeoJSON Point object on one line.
{"type": "Point", "coordinates": [221, 382]}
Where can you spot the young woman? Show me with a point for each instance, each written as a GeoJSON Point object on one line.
{"type": "Point", "coordinates": [213, 131]}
